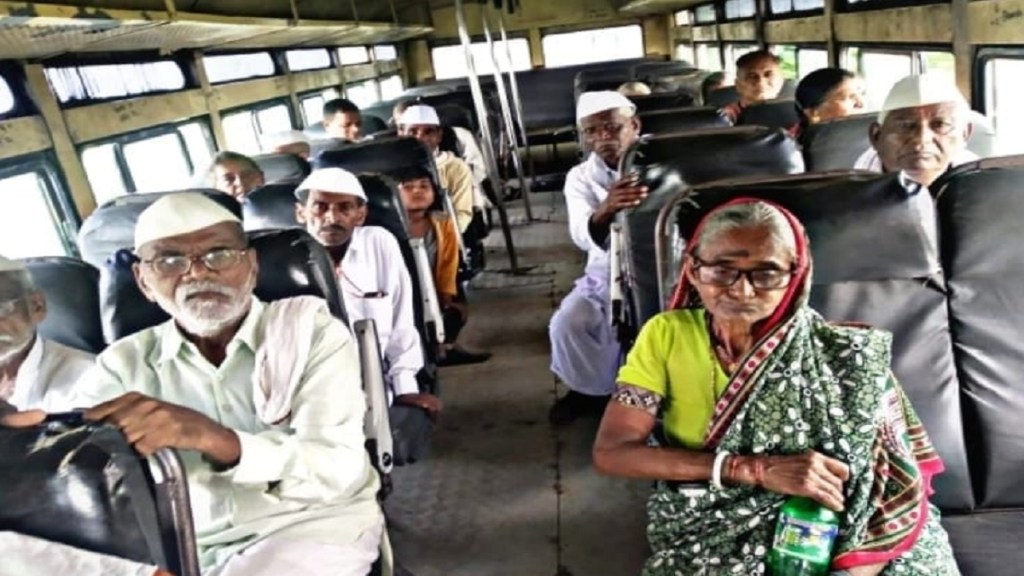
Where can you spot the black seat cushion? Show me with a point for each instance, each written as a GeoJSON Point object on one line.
{"type": "Point", "coordinates": [393, 157]}
{"type": "Point", "coordinates": [282, 167]}
{"type": "Point", "coordinates": [681, 120]}
{"type": "Point", "coordinates": [773, 114]}
{"type": "Point", "coordinates": [270, 207]}
{"type": "Point", "coordinates": [72, 294]}
{"type": "Point", "coordinates": [662, 101]}
{"type": "Point", "coordinates": [836, 144]}
{"type": "Point", "coordinates": [722, 97]}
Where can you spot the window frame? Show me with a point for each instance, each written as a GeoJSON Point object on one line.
{"type": "Point", "coordinates": [979, 84]}
{"type": "Point", "coordinates": [57, 195]}
{"type": "Point", "coordinates": [14, 76]}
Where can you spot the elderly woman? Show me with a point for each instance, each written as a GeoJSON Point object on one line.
{"type": "Point", "coordinates": [762, 397]}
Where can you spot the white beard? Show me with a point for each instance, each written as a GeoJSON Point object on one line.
{"type": "Point", "coordinates": [207, 317]}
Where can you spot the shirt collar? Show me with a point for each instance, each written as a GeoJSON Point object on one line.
{"type": "Point", "coordinates": [171, 339]}
{"type": "Point", "coordinates": [34, 359]}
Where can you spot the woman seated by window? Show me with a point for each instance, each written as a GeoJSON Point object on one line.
{"type": "Point", "coordinates": [767, 400]}
{"type": "Point", "coordinates": [829, 94]}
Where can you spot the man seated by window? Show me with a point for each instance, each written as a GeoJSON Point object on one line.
{"type": "Point", "coordinates": [374, 281]}
{"type": "Point", "coordinates": [288, 142]}
{"type": "Point", "coordinates": [758, 78]}
{"type": "Point", "coordinates": [235, 174]}
{"type": "Point", "coordinates": [343, 120]}
{"type": "Point", "coordinates": [264, 401]}
{"type": "Point", "coordinates": [922, 130]}
{"type": "Point", "coordinates": [34, 372]}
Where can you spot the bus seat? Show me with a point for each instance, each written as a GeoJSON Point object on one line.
{"type": "Point", "coordinates": [282, 167]}
{"type": "Point", "coordinates": [270, 207]}
{"type": "Point", "coordinates": [72, 294]}
{"type": "Point", "coordinates": [681, 120]}
{"type": "Point", "coordinates": [456, 115]}
{"type": "Point", "coordinates": [118, 508]}
{"type": "Point", "coordinates": [609, 77]}
{"type": "Point", "coordinates": [373, 124]}
{"type": "Point", "coordinates": [662, 101]}
{"type": "Point", "coordinates": [388, 156]}
{"type": "Point", "coordinates": [722, 97]}
{"type": "Point", "coordinates": [836, 144]}
{"type": "Point", "coordinates": [111, 227]}
{"type": "Point", "coordinates": [875, 263]}
{"type": "Point", "coordinates": [771, 113]}
{"type": "Point", "coordinates": [318, 146]}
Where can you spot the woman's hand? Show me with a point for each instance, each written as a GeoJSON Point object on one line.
{"type": "Point", "coordinates": [810, 474]}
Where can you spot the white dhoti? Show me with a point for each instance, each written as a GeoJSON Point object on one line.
{"type": "Point", "coordinates": [584, 350]}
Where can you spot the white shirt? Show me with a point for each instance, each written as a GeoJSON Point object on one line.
{"type": "Point", "coordinates": [373, 264]}
{"type": "Point", "coordinates": [586, 187]}
{"type": "Point", "coordinates": [310, 473]}
{"type": "Point", "coordinates": [870, 160]}
{"type": "Point", "coordinates": [49, 375]}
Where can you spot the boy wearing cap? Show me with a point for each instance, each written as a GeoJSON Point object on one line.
{"type": "Point", "coordinates": [584, 350]}
{"type": "Point", "coordinates": [264, 401]}
{"type": "Point", "coordinates": [922, 130]}
{"type": "Point", "coordinates": [288, 142]}
{"type": "Point", "coordinates": [421, 122]}
{"type": "Point", "coordinates": [374, 282]}
{"type": "Point", "coordinates": [34, 372]}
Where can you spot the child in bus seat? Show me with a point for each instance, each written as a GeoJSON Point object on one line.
{"type": "Point", "coordinates": [427, 220]}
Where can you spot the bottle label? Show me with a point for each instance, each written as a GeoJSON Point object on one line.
{"type": "Point", "coordinates": [808, 540]}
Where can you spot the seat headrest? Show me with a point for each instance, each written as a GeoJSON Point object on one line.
{"type": "Point", "coordinates": [702, 156]}
{"type": "Point", "coordinates": [722, 97]}
{"type": "Point", "coordinates": [111, 227]}
{"type": "Point", "coordinates": [861, 225]}
{"type": "Point", "coordinates": [681, 120]}
{"type": "Point", "coordinates": [384, 204]}
{"type": "Point", "coordinates": [319, 146]}
{"type": "Point", "coordinates": [393, 157]}
{"type": "Point", "coordinates": [373, 124]}
{"type": "Point", "coordinates": [662, 101]}
{"type": "Point", "coordinates": [455, 115]}
{"type": "Point", "coordinates": [282, 167]}
{"type": "Point", "coordinates": [772, 113]}
{"type": "Point", "coordinates": [270, 207]}
{"type": "Point", "coordinates": [71, 287]}
{"type": "Point", "coordinates": [836, 144]}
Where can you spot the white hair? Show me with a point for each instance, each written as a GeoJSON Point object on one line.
{"type": "Point", "coordinates": [750, 215]}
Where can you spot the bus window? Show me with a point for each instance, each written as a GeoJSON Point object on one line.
{"type": "Point", "coordinates": [330, 94]}
{"type": "Point", "coordinates": [312, 109]}
{"type": "Point", "coordinates": [682, 18]}
{"type": "Point", "coordinates": [273, 119]}
{"type": "Point", "coordinates": [385, 52]}
{"type": "Point", "coordinates": [309, 59]}
{"type": "Point", "coordinates": [685, 53]}
{"type": "Point", "coordinates": [103, 172]}
{"type": "Point", "coordinates": [244, 128]}
{"type": "Point", "coordinates": [737, 9]}
{"type": "Point", "coordinates": [6, 97]}
{"type": "Point", "coordinates": [708, 57]}
{"type": "Point", "coordinates": [880, 71]}
{"type": "Point", "coordinates": [450, 61]}
{"type": "Point", "coordinates": [810, 59]}
{"type": "Point", "coordinates": [787, 53]}
{"type": "Point", "coordinates": [197, 143]}
{"type": "Point", "coordinates": [32, 229]}
{"type": "Point", "coordinates": [362, 94]}
{"type": "Point", "coordinates": [349, 55]}
{"type": "Point", "coordinates": [158, 163]}
{"type": "Point", "coordinates": [100, 81]}
{"type": "Point", "coordinates": [231, 67]}
{"type": "Point", "coordinates": [391, 87]}
{"type": "Point", "coordinates": [1002, 76]}
{"type": "Point", "coordinates": [733, 52]}
{"type": "Point", "coordinates": [587, 46]}
{"type": "Point", "coordinates": [940, 63]}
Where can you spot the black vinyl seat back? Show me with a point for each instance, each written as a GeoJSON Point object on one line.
{"type": "Point", "coordinates": [270, 207]}
{"type": "Point", "coordinates": [772, 113]}
{"type": "Point", "coordinates": [662, 101]}
{"type": "Point", "coordinates": [875, 262]}
{"type": "Point", "coordinates": [282, 167]}
{"type": "Point", "coordinates": [111, 227]}
{"type": "Point", "coordinates": [373, 124]}
{"type": "Point", "coordinates": [722, 97]}
{"type": "Point", "coordinates": [979, 214]}
{"type": "Point", "coordinates": [392, 157]}
{"type": "Point", "coordinates": [456, 115]}
{"type": "Point", "coordinates": [681, 120]}
{"type": "Point", "coordinates": [71, 287]}
{"type": "Point", "coordinates": [84, 486]}
{"type": "Point", "coordinates": [836, 144]}
{"type": "Point", "coordinates": [319, 146]}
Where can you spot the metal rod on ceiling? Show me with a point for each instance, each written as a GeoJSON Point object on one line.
{"type": "Point", "coordinates": [517, 102]}
{"type": "Point", "coordinates": [355, 11]}
{"type": "Point", "coordinates": [506, 115]}
{"type": "Point", "coordinates": [487, 143]}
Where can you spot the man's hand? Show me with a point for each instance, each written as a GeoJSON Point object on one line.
{"type": "Point", "coordinates": [428, 402]}
{"type": "Point", "coordinates": [150, 425]}
{"type": "Point", "coordinates": [22, 419]}
{"type": "Point", "coordinates": [627, 192]}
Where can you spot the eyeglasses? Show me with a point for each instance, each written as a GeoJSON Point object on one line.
{"type": "Point", "coordinates": [216, 260]}
{"type": "Point", "coordinates": [724, 276]}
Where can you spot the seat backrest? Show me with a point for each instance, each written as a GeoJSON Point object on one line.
{"type": "Point", "coordinates": [662, 101]}
{"type": "Point", "coordinates": [836, 144]}
{"type": "Point", "coordinates": [681, 120]}
{"type": "Point", "coordinates": [282, 167]}
{"type": "Point", "coordinates": [772, 113]}
{"type": "Point", "coordinates": [874, 262]}
{"type": "Point", "coordinates": [71, 287]}
{"type": "Point", "coordinates": [456, 115]}
{"type": "Point", "coordinates": [608, 77]}
{"type": "Point", "coordinates": [270, 207]}
{"type": "Point", "coordinates": [389, 156]}
{"type": "Point", "coordinates": [979, 210]}
{"type": "Point", "coordinates": [722, 97]}
{"type": "Point", "coordinates": [318, 146]}
{"type": "Point", "coordinates": [111, 227]}
{"type": "Point", "coordinates": [373, 124]}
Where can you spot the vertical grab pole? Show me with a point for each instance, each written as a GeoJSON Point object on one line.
{"type": "Point", "coordinates": [487, 146]}
{"type": "Point", "coordinates": [506, 116]}
{"type": "Point", "coordinates": [517, 103]}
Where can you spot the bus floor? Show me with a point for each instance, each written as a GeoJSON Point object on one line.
{"type": "Point", "coordinates": [502, 492]}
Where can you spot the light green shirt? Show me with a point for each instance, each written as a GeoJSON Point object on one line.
{"type": "Point", "coordinates": [312, 466]}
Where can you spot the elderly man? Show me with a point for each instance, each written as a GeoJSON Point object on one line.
{"type": "Point", "coordinates": [758, 78]}
{"type": "Point", "coordinates": [263, 400]}
{"type": "Point", "coordinates": [34, 372]}
{"type": "Point", "coordinates": [342, 119]}
{"type": "Point", "coordinates": [288, 142]}
{"type": "Point", "coordinates": [374, 281]}
{"type": "Point", "coordinates": [235, 174]}
{"type": "Point", "coordinates": [584, 351]}
{"type": "Point", "coordinates": [922, 130]}
{"type": "Point", "coordinates": [421, 122]}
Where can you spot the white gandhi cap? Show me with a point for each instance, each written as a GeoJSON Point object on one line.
{"type": "Point", "coordinates": [921, 90]}
{"type": "Point", "coordinates": [591, 103]}
{"type": "Point", "coordinates": [284, 138]}
{"type": "Point", "coordinates": [179, 213]}
{"type": "Point", "coordinates": [8, 265]}
{"type": "Point", "coordinates": [419, 114]}
{"type": "Point", "coordinates": [332, 180]}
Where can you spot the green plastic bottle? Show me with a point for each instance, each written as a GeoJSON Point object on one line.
{"type": "Point", "coordinates": [804, 536]}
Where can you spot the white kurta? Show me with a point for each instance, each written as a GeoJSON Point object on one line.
{"type": "Point", "coordinates": [584, 350]}
{"type": "Point", "coordinates": [305, 480]}
{"type": "Point", "coordinates": [49, 375]}
{"type": "Point", "coordinates": [375, 285]}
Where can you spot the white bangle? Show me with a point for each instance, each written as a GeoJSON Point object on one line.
{"type": "Point", "coordinates": [716, 469]}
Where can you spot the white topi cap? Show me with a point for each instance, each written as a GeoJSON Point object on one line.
{"type": "Point", "coordinates": [284, 138]}
{"type": "Point", "coordinates": [419, 114]}
{"type": "Point", "coordinates": [921, 90]}
{"type": "Point", "coordinates": [8, 265]}
{"type": "Point", "coordinates": [334, 181]}
{"type": "Point", "coordinates": [179, 213]}
{"type": "Point", "coordinates": [591, 103]}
